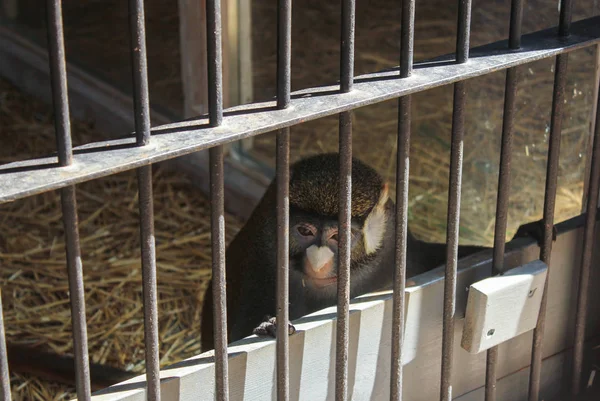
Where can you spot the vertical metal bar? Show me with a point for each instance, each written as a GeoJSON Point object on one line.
{"type": "Point", "coordinates": [402, 182]}
{"type": "Point", "coordinates": [345, 204]}
{"type": "Point", "coordinates": [588, 248]}
{"type": "Point", "coordinates": [343, 290]}
{"type": "Point", "coordinates": [58, 77]}
{"type": "Point", "coordinates": [217, 195]}
{"type": "Point", "coordinates": [284, 58]}
{"type": "Point", "coordinates": [141, 103]}
{"type": "Point", "coordinates": [75, 273]}
{"type": "Point", "coordinates": [215, 62]}
{"type": "Point", "coordinates": [558, 100]}
{"type": "Point", "coordinates": [454, 193]}
{"type": "Point", "coordinates": [284, 52]}
{"type": "Point", "coordinates": [283, 223]}
{"type": "Point", "coordinates": [464, 31]}
{"type": "Point", "coordinates": [4, 375]}
{"type": "Point", "coordinates": [139, 63]}
{"type": "Point", "coordinates": [347, 45]}
{"type": "Point", "coordinates": [504, 177]}
{"type": "Point", "coordinates": [146, 206]}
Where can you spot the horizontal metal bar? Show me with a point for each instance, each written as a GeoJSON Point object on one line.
{"type": "Point", "coordinates": [25, 178]}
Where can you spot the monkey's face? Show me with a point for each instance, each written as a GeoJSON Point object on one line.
{"type": "Point", "coordinates": [314, 248]}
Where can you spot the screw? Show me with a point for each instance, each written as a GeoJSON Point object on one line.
{"type": "Point", "coordinates": [531, 292]}
{"type": "Point", "coordinates": [491, 332]}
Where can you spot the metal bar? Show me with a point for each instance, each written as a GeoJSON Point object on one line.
{"type": "Point", "coordinates": [283, 259]}
{"type": "Point", "coordinates": [58, 78]}
{"type": "Point", "coordinates": [217, 219]}
{"type": "Point", "coordinates": [141, 104]}
{"type": "Point", "coordinates": [217, 195]}
{"type": "Point", "coordinates": [345, 203]}
{"type": "Point", "coordinates": [560, 78]}
{"type": "Point", "coordinates": [284, 59]}
{"type": "Point", "coordinates": [402, 183]}
{"type": "Point", "coordinates": [464, 30]}
{"type": "Point", "coordinates": [215, 62]}
{"type": "Point", "coordinates": [284, 52]}
{"type": "Point", "coordinates": [5, 394]}
{"type": "Point", "coordinates": [347, 45]}
{"type": "Point", "coordinates": [139, 63]}
{"type": "Point", "coordinates": [452, 238]}
{"type": "Point", "coordinates": [588, 248]}
{"type": "Point", "coordinates": [76, 293]}
{"type": "Point", "coordinates": [343, 286]}
{"type": "Point", "coordinates": [146, 206]}
{"type": "Point", "coordinates": [109, 157]}
{"type": "Point", "coordinates": [502, 210]}
{"type": "Point", "coordinates": [58, 75]}
{"type": "Point", "coordinates": [454, 193]}
{"type": "Point", "coordinates": [504, 177]}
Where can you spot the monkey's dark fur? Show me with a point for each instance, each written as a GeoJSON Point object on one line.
{"type": "Point", "coordinates": [314, 189]}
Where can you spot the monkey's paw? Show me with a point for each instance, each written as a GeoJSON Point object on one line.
{"type": "Point", "coordinates": [269, 328]}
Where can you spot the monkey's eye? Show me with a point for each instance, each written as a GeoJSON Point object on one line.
{"type": "Point", "coordinates": [305, 230]}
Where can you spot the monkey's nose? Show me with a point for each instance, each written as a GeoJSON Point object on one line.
{"type": "Point", "coordinates": [318, 258]}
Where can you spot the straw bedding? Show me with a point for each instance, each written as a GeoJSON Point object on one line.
{"type": "Point", "coordinates": [34, 276]}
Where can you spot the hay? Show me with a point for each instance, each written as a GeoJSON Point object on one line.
{"type": "Point", "coordinates": [96, 36]}
{"type": "Point", "coordinates": [315, 61]}
{"type": "Point", "coordinates": [34, 276]}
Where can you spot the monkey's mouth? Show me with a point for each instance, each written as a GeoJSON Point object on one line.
{"type": "Point", "coordinates": [320, 282]}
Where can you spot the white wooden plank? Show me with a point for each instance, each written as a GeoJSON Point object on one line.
{"type": "Point", "coordinates": [312, 348]}
{"type": "Point", "coordinates": [504, 306]}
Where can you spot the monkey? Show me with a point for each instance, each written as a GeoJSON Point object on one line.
{"type": "Point", "coordinates": [313, 248]}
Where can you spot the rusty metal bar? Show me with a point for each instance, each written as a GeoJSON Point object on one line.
{"type": "Point", "coordinates": [141, 104]}
{"type": "Point", "coordinates": [345, 203]}
{"type": "Point", "coordinates": [402, 183]}
{"type": "Point", "coordinates": [284, 58]}
{"type": "Point", "coordinates": [283, 259]}
{"type": "Point", "coordinates": [146, 206]}
{"type": "Point", "coordinates": [5, 394]}
{"type": "Point", "coordinates": [504, 177]}
{"type": "Point", "coordinates": [217, 214]}
{"type": "Point", "coordinates": [463, 31]}
{"type": "Point", "coordinates": [76, 292]}
{"type": "Point", "coordinates": [58, 78]}
{"type": "Point", "coordinates": [215, 62]}
{"type": "Point", "coordinates": [589, 240]}
{"type": "Point", "coordinates": [560, 78]}
{"type": "Point", "coordinates": [217, 195]}
{"type": "Point", "coordinates": [454, 192]}
{"type": "Point", "coordinates": [343, 289]}
{"type": "Point", "coordinates": [284, 52]}
{"type": "Point", "coordinates": [139, 63]}
{"type": "Point", "coordinates": [109, 157]}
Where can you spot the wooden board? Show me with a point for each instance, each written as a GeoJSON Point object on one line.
{"type": "Point", "coordinates": [504, 306]}
{"type": "Point", "coordinates": [312, 348]}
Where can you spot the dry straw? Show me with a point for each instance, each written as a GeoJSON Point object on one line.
{"type": "Point", "coordinates": [34, 276]}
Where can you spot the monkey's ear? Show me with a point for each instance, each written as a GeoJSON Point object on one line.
{"type": "Point", "coordinates": [374, 227]}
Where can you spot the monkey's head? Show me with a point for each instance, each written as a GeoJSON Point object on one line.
{"type": "Point", "coordinates": [314, 208]}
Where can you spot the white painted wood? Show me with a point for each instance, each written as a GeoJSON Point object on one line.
{"type": "Point", "coordinates": [312, 348]}
{"type": "Point", "coordinates": [504, 306]}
